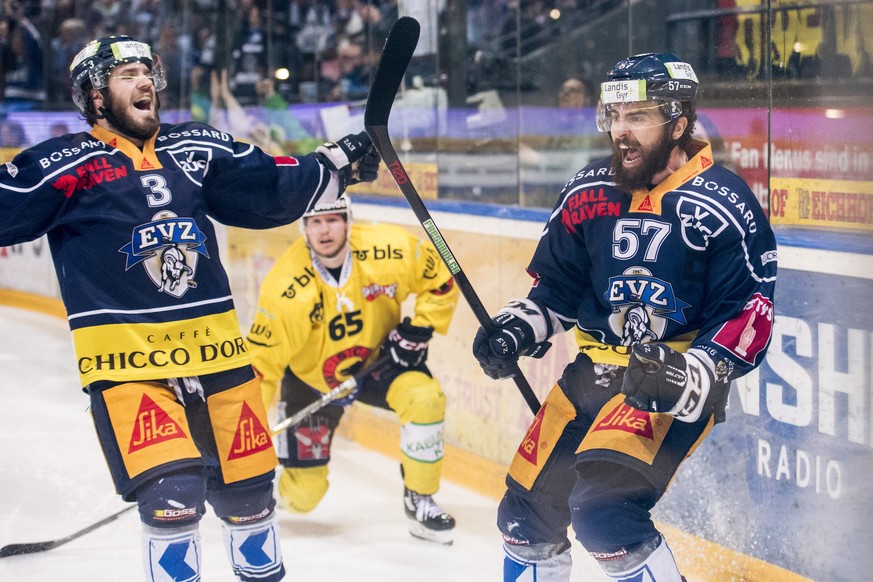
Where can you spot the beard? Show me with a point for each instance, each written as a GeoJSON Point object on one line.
{"type": "Point", "coordinates": [128, 125]}
{"type": "Point", "coordinates": [654, 159]}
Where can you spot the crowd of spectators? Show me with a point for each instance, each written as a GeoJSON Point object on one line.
{"type": "Point", "coordinates": [311, 50]}
{"type": "Point", "coordinates": [326, 46]}
{"type": "Point", "coordinates": [314, 50]}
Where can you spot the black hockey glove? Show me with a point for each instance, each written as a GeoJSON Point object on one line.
{"type": "Point", "coordinates": [498, 353]}
{"type": "Point", "coordinates": [353, 157]}
{"type": "Point", "coordinates": [660, 379]}
{"type": "Point", "coordinates": [407, 344]}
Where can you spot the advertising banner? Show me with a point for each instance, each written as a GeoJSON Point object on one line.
{"type": "Point", "coordinates": [837, 204]}
{"type": "Point", "coordinates": [788, 478]}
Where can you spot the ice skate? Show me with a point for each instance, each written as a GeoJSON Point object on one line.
{"type": "Point", "coordinates": [427, 520]}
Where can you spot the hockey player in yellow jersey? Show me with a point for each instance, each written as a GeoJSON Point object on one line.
{"type": "Point", "coordinates": [330, 306]}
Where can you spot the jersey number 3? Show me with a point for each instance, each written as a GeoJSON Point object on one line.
{"type": "Point", "coordinates": [160, 194]}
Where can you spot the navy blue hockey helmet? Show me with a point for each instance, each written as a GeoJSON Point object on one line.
{"type": "Point", "coordinates": [91, 66]}
{"type": "Point", "coordinates": [661, 79]}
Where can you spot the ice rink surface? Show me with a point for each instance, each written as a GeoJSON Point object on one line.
{"type": "Point", "coordinates": [54, 482]}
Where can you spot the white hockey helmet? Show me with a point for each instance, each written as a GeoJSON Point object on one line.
{"type": "Point", "coordinates": [342, 205]}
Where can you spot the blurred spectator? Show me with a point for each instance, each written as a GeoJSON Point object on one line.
{"type": "Point", "coordinates": [58, 129]}
{"type": "Point", "coordinates": [227, 114]}
{"type": "Point", "coordinates": [358, 20]}
{"type": "Point", "coordinates": [24, 85]}
{"type": "Point", "coordinates": [146, 16]}
{"type": "Point", "coordinates": [574, 93]}
{"type": "Point", "coordinates": [72, 36]}
{"type": "Point", "coordinates": [201, 97]}
{"type": "Point", "coordinates": [169, 47]}
{"type": "Point", "coordinates": [249, 57]}
{"type": "Point", "coordinates": [283, 126]}
{"type": "Point", "coordinates": [313, 21]}
{"type": "Point", "coordinates": [726, 50]}
{"type": "Point", "coordinates": [12, 135]}
{"type": "Point", "coordinates": [354, 74]}
{"type": "Point", "coordinates": [203, 47]}
{"type": "Point", "coordinates": [110, 12]}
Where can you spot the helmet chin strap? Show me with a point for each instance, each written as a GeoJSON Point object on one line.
{"type": "Point", "coordinates": [101, 113]}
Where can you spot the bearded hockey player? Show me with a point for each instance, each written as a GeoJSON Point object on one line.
{"type": "Point", "coordinates": [665, 265]}
{"type": "Point", "coordinates": [126, 208]}
{"type": "Point", "coordinates": [331, 304]}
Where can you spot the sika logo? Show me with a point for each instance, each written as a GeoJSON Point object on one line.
{"type": "Point", "coordinates": [153, 426]}
{"type": "Point", "coordinates": [251, 437]}
{"type": "Point", "coordinates": [628, 419]}
{"type": "Point", "coordinates": [531, 441]}
{"type": "Point", "coordinates": [646, 205]}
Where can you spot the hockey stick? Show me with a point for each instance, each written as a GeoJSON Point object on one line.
{"type": "Point", "coordinates": [34, 547]}
{"type": "Point", "coordinates": [328, 397]}
{"type": "Point", "coordinates": [396, 55]}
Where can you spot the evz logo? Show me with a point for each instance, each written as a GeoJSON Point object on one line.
{"type": "Point", "coordinates": [194, 161]}
{"type": "Point", "coordinates": [641, 304]}
{"type": "Point", "coordinates": [169, 247]}
{"type": "Point", "coordinates": [700, 222]}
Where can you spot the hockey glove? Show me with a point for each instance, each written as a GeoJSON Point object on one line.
{"type": "Point", "coordinates": [353, 158]}
{"type": "Point", "coordinates": [660, 379]}
{"type": "Point", "coordinates": [514, 337]}
{"type": "Point", "coordinates": [407, 344]}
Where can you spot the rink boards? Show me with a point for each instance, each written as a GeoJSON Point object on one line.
{"type": "Point", "coordinates": [781, 491]}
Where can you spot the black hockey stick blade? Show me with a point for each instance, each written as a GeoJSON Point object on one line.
{"type": "Point", "coordinates": [392, 67]}
{"type": "Point", "coordinates": [35, 547]}
{"type": "Point", "coordinates": [401, 43]}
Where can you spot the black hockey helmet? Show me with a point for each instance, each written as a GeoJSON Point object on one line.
{"type": "Point", "coordinates": [91, 66]}
{"type": "Point", "coordinates": [662, 79]}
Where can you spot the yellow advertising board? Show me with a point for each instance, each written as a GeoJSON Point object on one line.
{"type": "Point", "coordinates": [424, 176]}
{"type": "Point", "coordinates": [833, 204]}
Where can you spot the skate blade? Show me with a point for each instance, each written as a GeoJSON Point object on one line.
{"type": "Point", "coordinates": [444, 537]}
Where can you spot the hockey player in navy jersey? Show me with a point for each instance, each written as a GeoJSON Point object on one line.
{"type": "Point", "coordinates": [664, 264]}
{"type": "Point", "coordinates": [127, 208]}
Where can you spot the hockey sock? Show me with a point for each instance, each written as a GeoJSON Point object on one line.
{"type": "Point", "coordinates": [542, 563]}
{"type": "Point", "coordinates": [645, 563]}
{"type": "Point", "coordinates": [254, 550]}
{"type": "Point", "coordinates": [171, 555]}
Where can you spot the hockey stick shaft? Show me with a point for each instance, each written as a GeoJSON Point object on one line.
{"type": "Point", "coordinates": [35, 547]}
{"type": "Point", "coordinates": [327, 398]}
{"type": "Point", "coordinates": [396, 55]}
